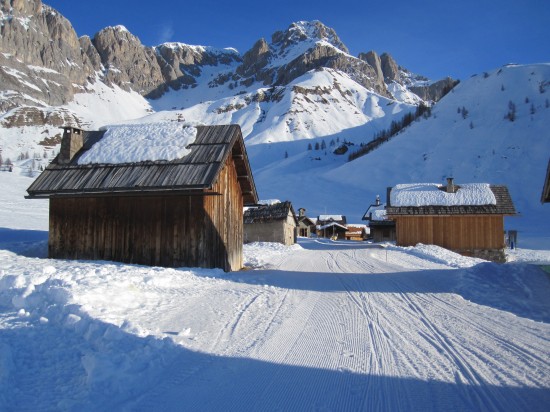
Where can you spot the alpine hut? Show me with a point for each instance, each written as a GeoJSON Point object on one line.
{"type": "Point", "coordinates": [381, 228]}
{"type": "Point", "coordinates": [275, 222]}
{"type": "Point", "coordinates": [161, 194]}
{"type": "Point", "coordinates": [468, 218]}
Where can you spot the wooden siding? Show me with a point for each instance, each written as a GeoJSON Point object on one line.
{"type": "Point", "coordinates": [171, 230]}
{"type": "Point", "coordinates": [459, 233]}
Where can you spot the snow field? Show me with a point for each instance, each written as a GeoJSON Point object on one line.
{"type": "Point", "coordinates": [336, 325]}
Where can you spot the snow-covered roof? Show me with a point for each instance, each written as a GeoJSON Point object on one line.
{"type": "Point", "coordinates": [430, 194]}
{"type": "Point", "coordinates": [468, 199]}
{"type": "Point", "coordinates": [269, 202]}
{"type": "Point", "coordinates": [196, 171]}
{"type": "Point", "coordinates": [379, 214]}
{"type": "Point", "coordinates": [330, 217]}
{"type": "Point", "coordinates": [141, 142]}
{"type": "Point", "coordinates": [375, 212]}
{"type": "Point", "coordinates": [332, 224]}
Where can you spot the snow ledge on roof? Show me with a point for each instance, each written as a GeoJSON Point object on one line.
{"type": "Point", "coordinates": [141, 142]}
{"type": "Point", "coordinates": [430, 194]}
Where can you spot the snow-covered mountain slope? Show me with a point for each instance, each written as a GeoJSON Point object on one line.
{"type": "Point", "coordinates": [471, 137]}
{"type": "Point", "coordinates": [319, 103]}
{"type": "Point", "coordinates": [36, 129]}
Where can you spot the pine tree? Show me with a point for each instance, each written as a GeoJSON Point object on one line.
{"type": "Point", "coordinates": [316, 145]}
{"type": "Point", "coordinates": [511, 115]}
{"type": "Point", "coordinates": [323, 145]}
{"type": "Point", "coordinates": [286, 154]}
{"type": "Point", "coordinates": [309, 146]}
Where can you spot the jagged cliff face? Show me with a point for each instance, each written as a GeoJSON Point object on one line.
{"type": "Point", "coordinates": [43, 63]}
{"type": "Point", "coordinates": [117, 57]}
{"type": "Point", "coordinates": [304, 46]}
{"type": "Point", "coordinates": [41, 55]}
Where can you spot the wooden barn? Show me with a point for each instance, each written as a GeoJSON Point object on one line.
{"type": "Point", "coordinates": [468, 219]}
{"type": "Point", "coordinates": [381, 228]}
{"type": "Point", "coordinates": [187, 211]}
{"type": "Point", "coordinates": [356, 232]}
{"type": "Point", "coordinates": [271, 223]}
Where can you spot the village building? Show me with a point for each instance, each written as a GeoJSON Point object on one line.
{"type": "Point", "coordinates": [356, 232]}
{"type": "Point", "coordinates": [468, 218]}
{"type": "Point", "coordinates": [331, 226]}
{"type": "Point", "coordinates": [381, 228]}
{"type": "Point", "coordinates": [156, 194]}
{"type": "Point", "coordinates": [306, 225]}
{"type": "Point", "coordinates": [271, 223]}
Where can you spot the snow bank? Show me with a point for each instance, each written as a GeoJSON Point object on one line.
{"type": "Point", "coordinates": [141, 142]}
{"type": "Point", "coordinates": [430, 194]}
{"type": "Point", "coordinates": [260, 254]}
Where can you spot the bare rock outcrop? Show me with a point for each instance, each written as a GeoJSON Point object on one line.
{"type": "Point", "coordinates": [36, 38]}
{"type": "Point", "coordinates": [275, 63]}
{"type": "Point", "coordinates": [390, 69]}
{"type": "Point", "coordinates": [435, 91]}
{"type": "Point", "coordinates": [181, 64]}
{"type": "Point", "coordinates": [373, 59]}
{"type": "Point", "coordinates": [128, 63]}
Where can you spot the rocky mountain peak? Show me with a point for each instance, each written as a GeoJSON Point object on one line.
{"type": "Point", "coordinates": [389, 68]}
{"type": "Point", "coordinates": [43, 54]}
{"type": "Point", "coordinates": [21, 7]}
{"type": "Point", "coordinates": [306, 30]}
{"type": "Point", "coordinates": [127, 62]}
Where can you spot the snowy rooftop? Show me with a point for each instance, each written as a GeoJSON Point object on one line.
{"type": "Point", "coordinates": [141, 142]}
{"type": "Point", "coordinates": [329, 217]}
{"type": "Point", "coordinates": [430, 194]}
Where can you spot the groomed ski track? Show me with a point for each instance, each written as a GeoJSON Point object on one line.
{"type": "Point", "coordinates": [346, 327]}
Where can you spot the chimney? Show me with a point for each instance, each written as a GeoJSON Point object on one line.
{"type": "Point", "coordinates": [388, 197]}
{"type": "Point", "coordinates": [377, 200]}
{"type": "Point", "coordinates": [71, 143]}
{"type": "Point", "coordinates": [301, 212]}
{"type": "Point", "coordinates": [450, 185]}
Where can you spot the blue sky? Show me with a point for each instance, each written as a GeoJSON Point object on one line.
{"type": "Point", "coordinates": [435, 38]}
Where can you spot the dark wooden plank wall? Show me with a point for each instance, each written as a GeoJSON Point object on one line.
{"type": "Point", "coordinates": [173, 230]}
{"type": "Point", "coordinates": [460, 233]}
{"type": "Point", "coordinates": [226, 211]}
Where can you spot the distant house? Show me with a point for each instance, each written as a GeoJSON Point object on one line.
{"type": "Point", "coordinates": [356, 232]}
{"type": "Point", "coordinates": [381, 228]}
{"type": "Point", "coordinates": [326, 219]}
{"type": "Point", "coordinates": [306, 225]}
{"type": "Point", "coordinates": [172, 202]}
{"type": "Point", "coordinates": [331, 226]}
{"type": "Point", "coordinates": [545, 198]}
{"type": "Point", "coordinates": [270, 223]}
{"type": "Point", "coordinates": [468, 219]}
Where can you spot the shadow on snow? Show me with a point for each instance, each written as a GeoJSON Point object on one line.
{"type": "Point", "coordinates": [79, 363]}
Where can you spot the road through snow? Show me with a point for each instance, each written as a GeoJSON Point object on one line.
{"type": "Point", "coordinates": [347, 327]}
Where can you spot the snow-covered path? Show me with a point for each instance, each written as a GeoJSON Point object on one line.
{"type": "Point", "coordinates": [337, 327]}
{"type": "Point", "coordinates": [318, 326]}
